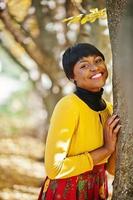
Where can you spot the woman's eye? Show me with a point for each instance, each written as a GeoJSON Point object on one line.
{"type": "Point", "coordinates": [83, 66]}
{"type": "Point", "coordinates": [99, 60]}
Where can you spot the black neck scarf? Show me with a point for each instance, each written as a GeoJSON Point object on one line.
{"type": "Point", "coordinates": [92, 99]}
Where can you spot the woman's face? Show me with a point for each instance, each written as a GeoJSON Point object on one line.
{"type": "Point", "coordinates": [90, 73]}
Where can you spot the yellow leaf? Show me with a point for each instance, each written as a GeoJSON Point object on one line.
{"type": "Point", "coordinates": [73, 19]}
{"type": "Point", "coordinates": [94, 10]}
{"type": "Point", "coordinates": [91, 17]}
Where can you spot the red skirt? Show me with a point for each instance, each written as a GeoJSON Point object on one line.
{"type": "Point", "coordinates": [91, 185]}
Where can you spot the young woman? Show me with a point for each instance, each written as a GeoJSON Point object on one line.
{"type": "Point", "coordinates": [83, 132]}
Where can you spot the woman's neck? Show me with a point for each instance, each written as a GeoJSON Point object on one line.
{"type": "Point", "coordinates": [92, 99]}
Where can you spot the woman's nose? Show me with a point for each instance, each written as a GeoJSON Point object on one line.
{"type": "Point", "coordinates": [93, 67]}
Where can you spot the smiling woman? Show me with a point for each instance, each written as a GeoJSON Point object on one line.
{"type": "Point", "coordinates": [90, 73]}
{"type": "Point", "coordinates": [82, 133]}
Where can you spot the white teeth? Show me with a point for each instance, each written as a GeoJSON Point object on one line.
{"type": "Point", "coordinates": [96, 76]}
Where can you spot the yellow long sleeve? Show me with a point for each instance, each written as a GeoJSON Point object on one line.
{"type": "Point", "coordinates": [58, 162]}
{"type": "Point", "coordinates": [75, 130]}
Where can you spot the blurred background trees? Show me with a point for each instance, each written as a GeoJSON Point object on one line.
{"type": "Point", "coordinates": [32, 40]}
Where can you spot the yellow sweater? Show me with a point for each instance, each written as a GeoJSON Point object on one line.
{"type": "Point", "coordinates": [75, 130]}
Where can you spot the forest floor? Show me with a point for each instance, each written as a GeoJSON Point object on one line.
{"type": "Point", "coordinates": [21, 167]}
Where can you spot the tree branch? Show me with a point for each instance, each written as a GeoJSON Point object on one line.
{"type": "Point", "coordinates": [27, 43]}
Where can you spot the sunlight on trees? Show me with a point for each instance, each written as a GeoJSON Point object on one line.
{"type": "Point", "coordinates": [33, 37]}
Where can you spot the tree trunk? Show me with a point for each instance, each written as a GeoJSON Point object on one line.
{"type": "Point", "coordinates": [120, 20]}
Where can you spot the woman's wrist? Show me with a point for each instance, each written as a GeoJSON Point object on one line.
{"type": "Point", "coordinates": [100, 154]}
{"type": "Point", "coordinates": [109, 150]}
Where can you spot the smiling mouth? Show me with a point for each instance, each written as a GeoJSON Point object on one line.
{"type": "Point", "coordinates": [96, 76]}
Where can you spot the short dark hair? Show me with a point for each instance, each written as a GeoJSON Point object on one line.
{"type": "Point", "coordinates": [73, 54]}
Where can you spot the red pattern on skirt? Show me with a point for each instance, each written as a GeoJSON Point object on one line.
{"type": "Point", "coordinates": [91, 185]}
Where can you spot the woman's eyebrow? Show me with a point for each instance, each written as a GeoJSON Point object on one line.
{"type": "Point", "coordinates": [81, 61]}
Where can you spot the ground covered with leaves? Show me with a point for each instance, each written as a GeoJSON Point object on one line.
{"type": "Point", "coordinates": [21, 167]}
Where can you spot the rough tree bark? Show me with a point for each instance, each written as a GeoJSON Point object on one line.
{"type": "Point", "coordinates": [120, 19]}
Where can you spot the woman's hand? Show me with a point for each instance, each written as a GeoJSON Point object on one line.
{"type": "Point", "coordinates": [111, 130]}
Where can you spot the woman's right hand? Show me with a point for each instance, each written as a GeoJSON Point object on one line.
{"type": "Point", "coordinates": [111, 129]}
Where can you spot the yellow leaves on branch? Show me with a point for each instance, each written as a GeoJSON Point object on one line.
{"type": "Point", "coordinates": [91, 17]}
